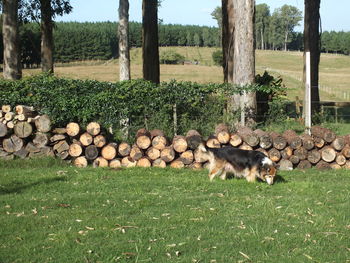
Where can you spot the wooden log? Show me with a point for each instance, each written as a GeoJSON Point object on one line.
{"type": "Point", "coordinates": [199, 157]}
{"type": "Point", "coordinates": [221, 127]}
{"type": "Point", "coordinates": [159, 142]}
{"type": "Point", "coordinates": [3, 130]}
{"type": "Point", "coordinates": [328, 154]}
{"type": "Point", "coordinates": [292, 138]}
{"type": "Point", "coordinates": [143, 141]}
{"type": "Point", "coordinates": [301, 153]}
{"type": "Point", "coordinates": [75, 150]}
{"type": "Point", "coordinates": [294, 159]}
{"type": "Point", "coordinates": [278, 141]}
{"type": "Point", "coordinates": [153, 153]}
{"type": "Point", "coordinates": [63, 155]}
{"type": "Point", "coordinates": [61, 146]}
{"type": "Point", "coordinates": [3, 153]}
{"type": "Point", "coordinates": [193, 139]}
{"type": "Point", "coordinates": [12, 144]}
{"type": "Point", "coordinates": [177, 164]}
{"type": "Point", "coordinates": [304, 164]}
{"type": "Point", "coordinates": [109, 151]}
{"type": "Point", "coordinates": [346, 151]}
{"type": "Point", "coordinates": [20, 117]}
{"type": "Point", "coordinates": [249, 137]}
{"type": "Point", "coordinates": [319, 142]}
{"type": "Point", "coordinates": [159, 163]}
{"type": "Point", "coordinates": [10, 124]}
{"type": "Point", "coordinates": [86, 139]}
{"type": "Point", "coordinates": [156, 132]}
{"type": "Point", "coordinates": [30, 147]}
{"type": "Point", "coordinates": [22, 153]}
{"type": "Point", "coordinates": [73, 129]}
{"type": "Point", "coordinates": [136, 153]}
{"type": "Point", "coordinates": [265, 141]}
{"type": "Point", "coordinates": [338, 143]}
{"type": "Point", "coordinates": [285, 165]}
{"type": "Point", "coordinates": [23, 129]}
{"type": "Point", "coordinates": [180, 144]}
{"type": "Point", "coordinates": [195, 166]}
{"type": "Point", "coordinates": [340, 159]}
{"type": "Point", "coordinates": [347, 165]}
{"type": "Point", "coordinates": [80, 161]}
{"type": "Point", "coordinates": [127, 161]}
{"type": "Point", "coordinates": [91, 152]}
{"type": "Point", "coordinates": [167, 154]}
{"type": "Point", "coordinates": [26, 110]}
{"type": "Point", "coordinates": [308, 141]}
{"type": "Point", "coordinates": [144, 162]}
{"type": "Point", "coordinates": [326, 134]}
{"type": "Point", "coordinates": [115, 163]}
{"type": "Point", "coordinates": [143, 132]}
{"type": "Point", "coordinates": [41, 139]}
{"type": "Point", "coordinates": [93, 128]}
{"type": "Point", "coordinates": [43, 123]}
{"type": "Point", "coordinates": [59, 130]}
{"type": "Point", "coordinates": [57, 137]}
{"type": "Point", "coordinates": [9, 116]}
{"type": "Point", "coordinates": [245, 146]}
{"type": "Point", "coordinates": [314, 156]}
{"type": "Point", "coordinates": [262, 151]}
{"type": "Point", "coordinates": [322, 165]}
{"type": "Point", "coordinates": [213, 142]}
{"type": "Point", "coordinates": [187, 157]}
{"type": "Point", "coordinates": [335, 166]}
{"type": "Point", "coordinates": [99, 161]}
{"type": "Point", "coordinates": [6, 108]}
{"type": "Point", "coordinates": [274, 155]}
{"type": "Point", "coordinates": [100, 141]}
{"type": "Point", "coordinates": [124, 149]}
{"type": "Point", "coordinates": [235, 140]}
{"type": "Point", "coordinates": [222, 133]}
{"type": "Point", "coordinates": [286, 153]}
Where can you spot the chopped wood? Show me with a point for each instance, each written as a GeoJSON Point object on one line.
{"type": "Point", "coordinates": [287, 152]}
{"type": "Point", "coordinates": [115, 163]}
{"type": "Point", "coordinates": [12, 144]}
{"type": "Point", "coordinates": [308, 142]}
{"type": "Point", "coordinates": [179, 143]}
{"type": "Point", "coordinates": [127, 161]}
{"type": "Point", "coordinates": [143, 132]}
{"type": "Point", "coordinates": [136, 153]}
{"type": "Point", "coordinates": [10, 124]}
{"type": "Point", "coordinates": [301, 153]}
{"type": "Point", "coordinates": [144, 162]}
{"type": "Point", "coordinates": [159, 163]}
{"type": "Point", "coordinates": [195, 166]}
{"type": "Point", "coordinates": [314, 156]}
{"type": "Point", "coordinates": [109, 152]}
{"type": "Point", "coordinates": [159, 142]}
{"type": "Point", "coordinates": [319, 142]}
{"type": "Point", "coordinates": [86, 139]}
{"type": "Point", "coordinates": [156, 132]}
{"type": "Point", "coordinates": [177, 164]}
{"type": "Point", "coordinates": [43, 123]}
{"type": "Point", "coordinates": [22, 153]}
{"type": "Point", "coordinates": [245, 146]}
{"type": "Point", "coordinates": [346, 151]}
{"type": "Point", "coordinates": [124, 149]}
{"type": "Point", "coordinates": [153, 153]}
{"type": "Point", "coordinates": [91, 152]}
{"type": "Point", "coordinates": [278, 141]}
{"type": "Point", "coordinates": [262, 150]}
{"type": "Point", "coordinates": [93, 128]}
{"type": "Point", "coordinates": [285, 165]}
{"type": "Point", "coordinates": [304, 164]}
{"type": "Point", "coordinates": [338, 143]}
{"type": "Point", "coordinates": [41, 139]}
{"type": "Point", "coordinates": [100, 141]}
{"type": "Point", "coordinates": [235, 140]}
{"type": "Point", "coordinates": [63, 155]}
{"type": "Point", "coordinates": [274, 155]}
{"type": "Point", "coordinates": [73, 129]}
{"type": "Point", "coordinates": [223, 137]}
{"type": "Point", "coordinates": [59, 130]}
{"type": "Point", "coordinates": [29, 111]}
{"type": "Point", "coordinates": [292, 138]}
{"type": "Point", "coordinates": [167, 154]}
{"type": "Point", "coordinates": [294, 159]}
{"type": "Point", "coordinates": [3, 130]}
{"type": "Point", "coordinates": [340, 159]}
{"type": "Point", "coordinates": [75, 150]}
{"type": "Point", "coordinates": [143, 141]}
{"type": "Point", "coordinates": [6, 108]}
{"type": "Point", "coordinates": [198, 157]}
{"type": "Point", "coordinates": [30, 147]}
{"type": "Point", "coordinates": [187, 157]}
{"type": "Point", "coordinates": [213, 142]}
{"type": "Point", "coordinates": [57, 137]}
{"type": "Point", "coordinates": [23, 129]}
{"type": "Point", "coordinates": [9, 116]}
{"type": "Point", "coordinates": [61, 146]}
{"type": "Point", "coordinates": [324, 133]}
{"type": "Point", "coordinates": [328, 154]}
{"type": "Point", "coordinates": [193, 139]}
{"type": "Point", "coordinates": [265, 141]}
{"type": "Point", "coordinates": [335, 166]}
{"type": "Point", "coordinates": [99, 161]}
{"type": "Point", "coordinates": [80, 161]}
{"type": "Point", "coordinates": [322, 165]}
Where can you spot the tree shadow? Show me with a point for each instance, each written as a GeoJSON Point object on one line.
{"type": "Point", "coordinates": [17, 187]}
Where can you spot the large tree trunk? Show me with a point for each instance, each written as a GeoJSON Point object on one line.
{"type": "Point", "coordinates": [123, 30]}
{"type": "Point", "coordinates": [150, 52]}
{"type": "Point", "coordinates": [46, 36]}
{"type": "Point", "coordinates": [244, 56]}
{"type": "Point", "coordinates": [12, 68]}
{"type": "Point", "coordinates": [312, 45]}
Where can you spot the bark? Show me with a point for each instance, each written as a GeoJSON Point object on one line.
{"type": "Point", "coordinates": [150, 52]}
{"type": "Point", "coordinates": [123, 30]}
{"type": "Point", "coordinates": [12, 68]}
{"type": "Point", "coordinates": [46, 36]}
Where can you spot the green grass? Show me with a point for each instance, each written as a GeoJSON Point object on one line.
{"type": "Point", "coordinates": [51, 212]}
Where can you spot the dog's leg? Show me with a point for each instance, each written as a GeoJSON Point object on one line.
{"type": "Point", "coordinates": [214, 173]}
{"type": "Point", "coordinates": [223, 175]}
{"type": "Point", "coordinates": [252, 175]}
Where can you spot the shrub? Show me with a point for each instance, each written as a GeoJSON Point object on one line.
{"type": "Point", "coordinates": [171, 57]}
{"type": "Point", "coordinates": [218, 58]}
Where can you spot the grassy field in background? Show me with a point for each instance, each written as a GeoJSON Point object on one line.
{"type": "Point", "coordinates": [51, 212]}
{"type": "Point", "coordinates": [334, 70]}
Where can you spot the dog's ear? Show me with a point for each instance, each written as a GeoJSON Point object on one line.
{"type": "Point", "coordinates": [202, 148]}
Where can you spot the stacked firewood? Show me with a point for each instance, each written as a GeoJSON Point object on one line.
{"type": "Point", "coordinates": [24, 133]}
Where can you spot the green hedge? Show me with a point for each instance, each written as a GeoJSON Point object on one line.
{"type": "Point", "coordinates": [144, 104]}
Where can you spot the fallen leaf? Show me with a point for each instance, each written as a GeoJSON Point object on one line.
{"type": "Point", "coordinates": [244, 255]}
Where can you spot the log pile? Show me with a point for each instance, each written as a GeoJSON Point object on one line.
{"type": "Point", "coordinates": [26, 134]}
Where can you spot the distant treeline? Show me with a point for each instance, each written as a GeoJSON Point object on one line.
{"type": "Point", "coordinates": [75, 41]}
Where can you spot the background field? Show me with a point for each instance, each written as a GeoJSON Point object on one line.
{"type": "Point", "coordinates": [51, 212]}
{"type": "Point", "coordinates": [334, 70]}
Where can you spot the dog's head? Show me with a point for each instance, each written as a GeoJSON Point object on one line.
{"type": "Point", "coordinates": [267, 171]}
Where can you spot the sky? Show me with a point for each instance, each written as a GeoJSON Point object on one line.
{"type": "Point", "coordinates": [334, 14]}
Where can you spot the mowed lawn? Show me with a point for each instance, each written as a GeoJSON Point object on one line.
{"type": "Point", "coordinates": [51, 212]}
{"type": "Point", "coordinates": [334, 70]}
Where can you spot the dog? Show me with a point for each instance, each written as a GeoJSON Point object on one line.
{"type": "Point", "coordinates": [248, 164]}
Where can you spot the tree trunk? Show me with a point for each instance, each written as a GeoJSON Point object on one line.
{"type": "Point", "coordinates": [244, 56]}
{"type": "Point", "coordinates": [12, 68]}
{"type": "Point", "coordinates": [46, 36]}
{"type": "Point", "coordinates": [123, 31]}
{"type": "Point", "coordinates": [227, 39]}
{"type": "Point", "coordinates": [150, 52]}
{"type": "Point", "coordinates": [312, 45]}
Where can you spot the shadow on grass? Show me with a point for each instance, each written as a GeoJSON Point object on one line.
{"type": "Point", "coordinates": [17, 187]}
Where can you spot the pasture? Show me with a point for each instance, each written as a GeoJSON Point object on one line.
{"type": "Point", "coordinates": [334, 70]}
{"type": "Point", "coordinates": [52, 212]}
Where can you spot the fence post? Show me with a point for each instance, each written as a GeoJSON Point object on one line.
{"type": "Point", "coordinates": [175, 118]}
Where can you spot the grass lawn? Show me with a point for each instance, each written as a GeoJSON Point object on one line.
{"type": "Point", "coordinates": [51, 212]}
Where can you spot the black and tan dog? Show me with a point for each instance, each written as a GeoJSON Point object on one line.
{"type": "Point", "coordinates": [251, 165]}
